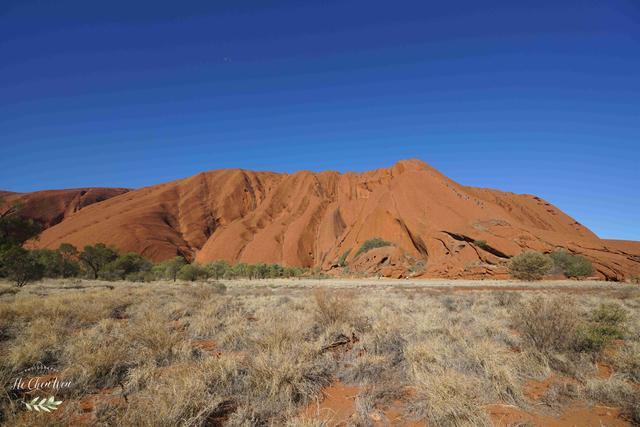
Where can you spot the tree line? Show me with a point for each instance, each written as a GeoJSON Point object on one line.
{"type": "Point", "coordinates": [101, 261]}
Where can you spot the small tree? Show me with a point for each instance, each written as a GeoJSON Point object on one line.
{"type": "Point", "coordinates": [192, 272]}
{"type": "Point", "coordinates": [261, 271]}
{"type": "Point", "coordinates": [95, 258]}
{"type": "Point", "coordinates": [240, 270]}
{"type": "Point", "coordinates": [16, 229]}
{"type": "Point", "coordinates": [20, 266]}
{"type": "Point", "coordinates": [571, 265]}
{"type": "Point", "coordinates": [132, 263]}
{"type": "Point", "coordinates": [70, 264]}
{"type": "Point", "coordinates": [51, 261]}
{"type": "Point", "coordinates": [68, 251]}
{"type": "Point", "coordinates": [530, 265]}
{"type": "Point", "coordinates": [276, 270]}
{"type": "Point", "coordinates": [547, 324]}
{"type": "Point", "coordinates": [218, 269]}
{"type": "Point", "coordinates": [170, 268]}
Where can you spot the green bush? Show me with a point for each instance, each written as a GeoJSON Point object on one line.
{"type": "Point", "coordinates": [192, 272]}
{"type": "Point", "coordinates": [20, 266]}
{"type": "Point", "coordinates": [571, 265]}
{"type": "Point", "coordinates": [54, 264]}
{"type": "Point", "coordinates": [95, 258]}
{"type": "Point", "coordinates": [605, 324]}
{"type": "Point", "coordinates": [15, 229]}
{"type": "Point", "coordinates": [342, 261]}
{"type": "Point", "coordinates": [218, 269]}
{"type": "Point", "coordinates": [169, 269]}
{"type": "Point", "coordinates": [376, 242]}
{"type": "Point", "coordinates": [141, 276]}
{"type": "Point", "coordinates": [530, 265]}
{"type": "Point", "coordinates": [125, 265]}
{"type": "Point", "coordinates": [546, 324]}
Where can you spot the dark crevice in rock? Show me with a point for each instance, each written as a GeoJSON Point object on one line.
{"type": "Point", "coordinates": [485, 246]}
{"type": "Point", "coordinates": [417, 242]}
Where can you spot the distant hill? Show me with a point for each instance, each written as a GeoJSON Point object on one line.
{"type": "Point", "coordinates": [50, 207]}
{"type": "Point", "coordinates": [436, 227]}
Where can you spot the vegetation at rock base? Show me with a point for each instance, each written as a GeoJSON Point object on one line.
{"type": "Point", "coordinates": [20, 266]}
{"type": "Point", "coordinates": [530, 265]}
{"type": "Point", "coordinates": [376, 242]}
{"type": "Point", "coordinates": [571, 265]}
{"type": "Point", "coordinates": [16, 263]}
{"type": "Point", "coordinates": [342, 261]}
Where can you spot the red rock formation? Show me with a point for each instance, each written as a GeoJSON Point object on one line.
{"type": "Point", "coordinates": [438, 228]}
{"type": "Point", "coordinates": [50, 207]}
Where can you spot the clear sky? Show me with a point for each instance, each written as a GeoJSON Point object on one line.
{"type": "Point", "coordinates": [538, 97]}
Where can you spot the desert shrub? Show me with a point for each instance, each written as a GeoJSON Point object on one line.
{"type": "Point", "coordinates": [448, 399]}
{"type": "Point", "coordinates": [506, 299]}
{"type": "Point", "coordinates": [376, 242]}
{"type": "Point", "coordinates": [295, 271]}
{"type": "Point", "coordinates": [605, 323]}
{"type": "Point", "coordinates": [627, 360]}
{"type": "Point", "coordinates": [283, 371]}
{"type": "Point", "coordinates": [20, 266]}
{"type": "Point", "coordinates": [192, 272]}
{"type": "Point", "coordinates": [332, 307]}
{"type": "Point", "coordinates": [580, 267]}
{"type": "Point", "coordinates": [55, 263]}
{"type": "Point", "coordinates": [615, 391]}
{"type": "Point", "coordinates": [530, 265]}
{"type": "Point", "coordinates": [187, 395]}
{"type": "Point", "coordinates": [493, 367]}
{"type": "Point", "coordinates": [571, 265]}
{"type": "Point", "coordinates": [342, 261]}
{"type": "Point", "coordinates": [418, 267]}
{"type": "Point", "coordinates": [99, 356]}
{"type": "Point", "coordinates": [141, 276]}
{"type": "Point", "coordinates": [51, 262]}
{"type": "Point", "coordinates": [132, 263]}
{"type": "Point", "coordinates": [561, 260]}
{"type": "Point", "coordinates": [95, 258]}
{"type": "Point", "coordinates": [276, 270]}
{"type": "Point", "coordinates": [546, 324]}
{"type": "Point", "coordinates": [628, 292]}
{"type": "Point", "coordinates": [169, 269]}
{"type": "Point", "coordinates": [125, 265]}
{"type": "Point", "coordinates": [611, 317]}
{"type": "Point", "coordinates": [15, 229]}
{"type": "Point", "coordinates": [240, 270]}
{"type": "Point", "coordinates": [457, 304]}
{"type": "Point", "coordinates": [41, 340]}
{"type": "Point", "coordinates": [286, 376]}
{"type": "Point", "coordinates": [218, 269]}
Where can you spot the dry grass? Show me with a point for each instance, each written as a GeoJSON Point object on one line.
{"type": "Point", "coordinates": [247, 353]}
{"type": "Point", "coordinates": [546, 324]}
{"type": "Point", "coordinates": [449, 399]}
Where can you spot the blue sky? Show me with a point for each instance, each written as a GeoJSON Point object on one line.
{"type": "Point", "coordinates": [538, 97]}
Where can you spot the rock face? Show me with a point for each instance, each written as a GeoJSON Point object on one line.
{"type": "Point", "coordinates": [50, 207]}
{"type": "Point", "coordinates": [437, 227]}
